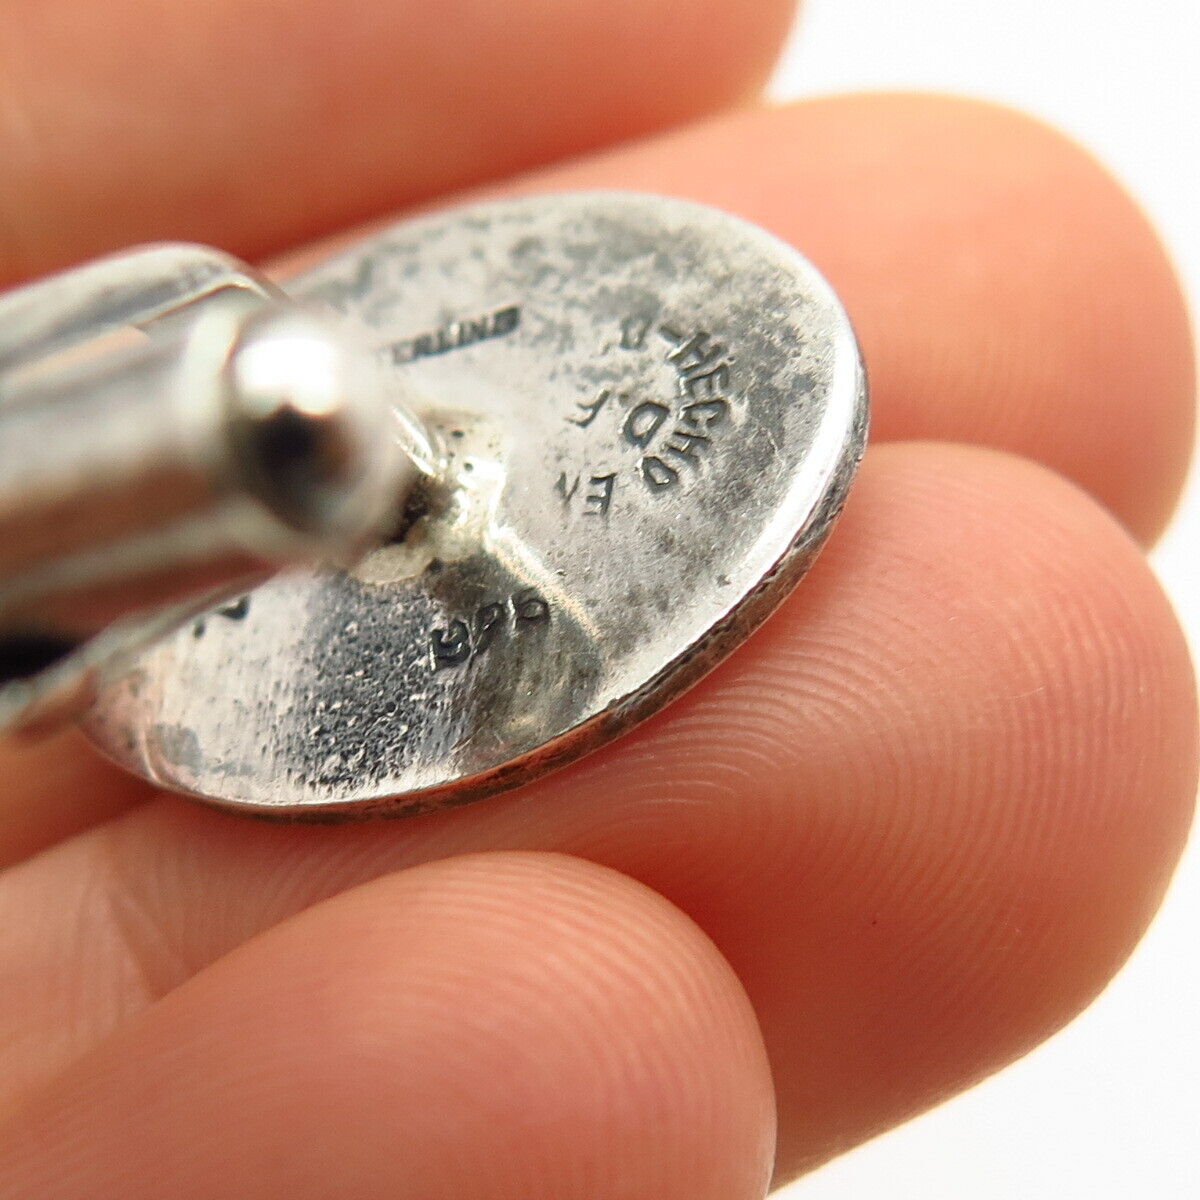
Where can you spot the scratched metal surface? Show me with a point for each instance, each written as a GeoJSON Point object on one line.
{"type": "Point", "coordinates": [650, 414]}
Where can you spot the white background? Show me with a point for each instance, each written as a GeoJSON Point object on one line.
{"type": "Point", "coordinates": [1111, 1106]}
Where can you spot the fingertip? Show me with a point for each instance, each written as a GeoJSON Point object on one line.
{"type": "Point", "coordinates": [1008, 291]}
{"type": "Point", "coordinates": [1057, 328]}
{"type": "Point", "coordinates": [497, 1025]}
{"type": "Point", "coordinates": [1035, 702]}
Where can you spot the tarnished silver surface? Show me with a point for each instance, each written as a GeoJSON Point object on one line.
{"type": "Point", "coordinates": [650, 414]}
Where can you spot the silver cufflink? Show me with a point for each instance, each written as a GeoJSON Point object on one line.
{"type": "Point", "coordinates": [449, 510]}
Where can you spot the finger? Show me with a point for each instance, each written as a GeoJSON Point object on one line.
{"type": "Point", "coordinates": [254, 124]}
{"type": "Point", "coordinates": [1006, 291]}
{"type": "Point", "coordinates": [925, 812]}
{"type": "Point", "coordinates": [498, 1026]}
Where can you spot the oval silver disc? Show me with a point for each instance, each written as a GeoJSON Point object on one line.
{"type": "Point", "coordinates": [650, 411]}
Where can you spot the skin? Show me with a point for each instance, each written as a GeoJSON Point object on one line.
{"type": "Point", "coordinates": [907, 831]}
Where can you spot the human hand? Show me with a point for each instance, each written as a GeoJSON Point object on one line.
{"type": "Point", "coordinates": [909, 829]}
